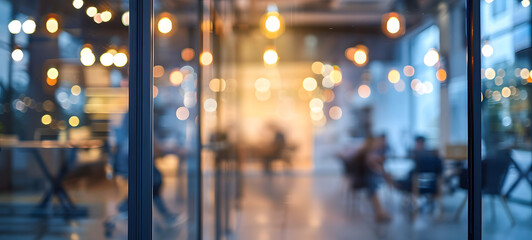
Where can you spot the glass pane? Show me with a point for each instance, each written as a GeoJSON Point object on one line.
{"type": "Point", "coordinates": [63, 140]}
{"type": "Point", "coordinates": [175, 149]}
{"type": "Point", "coordinates": [506, 114]}
{"type": "Point", "coordinates": [334, 120]}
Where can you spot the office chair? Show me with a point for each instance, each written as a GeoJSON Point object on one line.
{"type": "Point", "coordinates": [354, 172]}
{"type": "Point", "coordinates": [425, 185]}
{"type": "Point", "coordinates": [423, 182]}
{"type": "Point", "coordinates": [494, 171]}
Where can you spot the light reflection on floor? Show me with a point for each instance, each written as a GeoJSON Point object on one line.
{"type": "Point", "coordinates": [283, 206]}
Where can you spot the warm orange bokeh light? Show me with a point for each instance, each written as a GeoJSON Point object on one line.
{"type": "Point", "coordinates": [217, 85]}
{"type": "Point", "coordinates": [158, 71]}
{"type": "Point", "coordinates": [155, 91]}
{"type": "Point", "coordinates": [52, 24]}
{"type": "Point", "coordinates": [50, 81]}
{"type": "Point", "coordinates": [272, 25]}
{"type": "Point", "coordinates": [360, 57]}
{"type": "Point", "coordinates": [176, 77]}
{"type": "Point", "coordinates": [441, 75]}
{"type": "Point", "coordinates": [364, 91]}
{"type": "Point", "coordinates": [206, 58]}
{"type": "Point", "coordinates": [393, 25]}
{"type": "Point", "coordinates": [187, 54]}
{"type": "Point", "coordinates": [328, 95]}
{"type": "Point", "coordinates": [165, 23]}
{"type": "Point", "coordinates": [394, 76]}
{"type": "Point", "coordinates": [350, 53]}
{"type": "Point", "coordinates": [409, 71]}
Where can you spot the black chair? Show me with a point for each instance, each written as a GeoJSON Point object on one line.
{"type": "Point", "coordinates": [422, 186]}
{"type": "Point", "coordinates": [426, 185]}
{"type": "Point", "coordinates": [494, 172]}
{"type": "Point", "coordinates": [354, 179]}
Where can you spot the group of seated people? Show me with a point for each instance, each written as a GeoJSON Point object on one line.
{"type": "Point", "coordinates": [364, 168]}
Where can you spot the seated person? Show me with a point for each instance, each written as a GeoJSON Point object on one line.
{"type": "Point", "coordinates": [425, 177]}
{"type": "Point", "coordinates": [277, 147]}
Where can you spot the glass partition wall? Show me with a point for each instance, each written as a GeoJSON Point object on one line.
{"type": "Point", "coordinates": [63, 137]}
{"type": "Point", "coordinates": [339, 120]}
{"type": "Point", "coordinates": [506, 152]}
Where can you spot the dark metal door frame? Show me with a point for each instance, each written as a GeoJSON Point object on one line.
{"type": "Point", "coordinates": [474, 220]}
{"type": "Point", "coordinates": [140, 120]}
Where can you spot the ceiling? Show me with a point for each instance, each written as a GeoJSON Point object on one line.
{"type": "Point", "coordinates": [331, 13]}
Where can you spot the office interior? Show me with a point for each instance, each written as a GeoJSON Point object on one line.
{"type": "Point", "coordinates": [309, 119]}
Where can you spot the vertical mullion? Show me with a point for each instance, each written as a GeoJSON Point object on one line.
{"type": "Point", "coordinates": [198, 222]}
{"type": "Point", "coordinates": [474, 130]}
{"type": "Point", "coordinates": [140, 120]}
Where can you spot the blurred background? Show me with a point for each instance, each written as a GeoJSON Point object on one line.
{"type": "Point", "coordinates": [320, 119]}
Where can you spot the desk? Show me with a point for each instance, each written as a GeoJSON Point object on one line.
{"type": "Point", "coordinates": [69, 151]}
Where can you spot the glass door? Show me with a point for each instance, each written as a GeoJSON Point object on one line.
{"type": "Point", "coordinates": [335, 120]}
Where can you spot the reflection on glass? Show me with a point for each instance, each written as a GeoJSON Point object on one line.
{"type": "Point", "coordinates": [506, 114]}
{"type": "Point", "coordinates": [175, 118]}
{"type": "Point", "coordinates": [63, 173]}
{"type": "Point", "coordinates": [337, 120]}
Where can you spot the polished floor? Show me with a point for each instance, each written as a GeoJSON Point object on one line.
{"type": "Point", "coordinates": [318, 207]}
{"type": "Point", "coordinates": [281, 206]}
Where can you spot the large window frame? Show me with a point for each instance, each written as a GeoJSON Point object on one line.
{"type": "Point", "coordinates": [141, 122]}
{"type": "Point", "coordinates": [474, 222]}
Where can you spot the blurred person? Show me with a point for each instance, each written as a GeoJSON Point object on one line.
{"type": "Point", "coordinates": [277, 147]}
{"type": "Point", "coordinates": [376, 174]}
{"type": "Point", "coordinates": [120, 168]}
{"type": "Point", "coordinates": [365, 168]}
{"type": "Point", "coordinates": [220, 145]}
{"type": "Point", "coordinates": [426, 160]}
